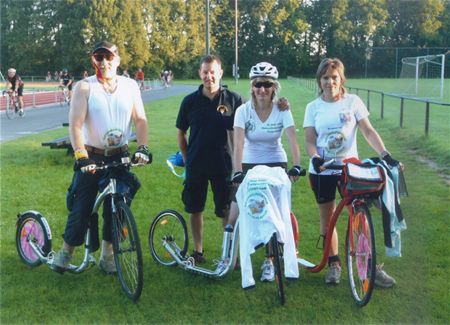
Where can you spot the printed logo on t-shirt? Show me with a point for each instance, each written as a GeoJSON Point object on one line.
{"type": "Point", "coordinates": [272, 127]}
{"type": "Point", "coordinates": [113, 138]}
{"type": "Point", "coordinates": [256, 203]}
{"type": "Point", "coordinates": [250, 125]}
{"type": "Point", "coordinates": [335, 143]}
{"type": "Point", "coordinates": [222, 109]}
{"type": "Point", "coordinates": [345, 117]}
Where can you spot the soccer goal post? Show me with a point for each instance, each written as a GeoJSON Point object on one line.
{"type": "Point", "coordinates": [423, 76]}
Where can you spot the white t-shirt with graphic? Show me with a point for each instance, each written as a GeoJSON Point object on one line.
{"type": "Point", "coordinates": [262, 142]}
{"type": "Point", "coordinates": [108, 119]}
{"type": "Point", "coordinates": [336, 126]}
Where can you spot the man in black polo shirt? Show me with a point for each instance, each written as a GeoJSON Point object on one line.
{"type": "Point", "coordinates": [209, 114]}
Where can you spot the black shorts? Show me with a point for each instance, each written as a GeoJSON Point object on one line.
{"type": "Point", "coordinates": [246, 167]}
{"type": "Point", "coordinates": [196, 189]}
{"type": "Point", "coordinates": [19, 90]}
{"type": "Point", "coordinates": [324, 187]}
{"type": "Point", "coordinates": [68, 86]}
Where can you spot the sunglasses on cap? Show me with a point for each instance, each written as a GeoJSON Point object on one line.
{"type": "Point", "coordinates": [265, 84]}
{"type": "Point", "coordinates": [99, 57]}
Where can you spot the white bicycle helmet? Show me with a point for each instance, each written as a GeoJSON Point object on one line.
{"type": "Point", "coordinates": [11, 70]}
{"type": "Point", "coordinates": [263, 69]}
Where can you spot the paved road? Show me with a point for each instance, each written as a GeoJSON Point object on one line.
{"type": "Point", "coordinates": [50, 117]}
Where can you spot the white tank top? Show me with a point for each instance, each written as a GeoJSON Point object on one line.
{"type": "Point", "coordinates": [108, 119]}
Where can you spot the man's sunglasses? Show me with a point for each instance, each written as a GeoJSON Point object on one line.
{"type": "Point", "coordinates": [265, 84]}
{"type": "Point", "coordinates": [101, 57]}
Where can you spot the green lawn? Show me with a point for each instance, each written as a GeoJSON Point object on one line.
{"type": "Point", "coordinates": [34, 177]}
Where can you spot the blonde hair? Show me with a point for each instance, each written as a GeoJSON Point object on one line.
{"type": "Point", "coordinates": [333, 64]}
{"type": "Point", "coordinates": [276, 86]}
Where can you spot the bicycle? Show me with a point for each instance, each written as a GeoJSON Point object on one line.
{"type": "Point", "coordinates": [168, 243]}
{"type": "Point", "coordinates": [34, 238]}
{"type": "Point", "coordinates": [360, 248]}
{"type": "Point", "coordinates": [64, 97]}
{"type": "Point", "coordinates": [12, 105]}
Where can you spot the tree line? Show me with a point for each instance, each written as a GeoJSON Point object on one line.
{"type": "Point", "coordinates": [42, 35]}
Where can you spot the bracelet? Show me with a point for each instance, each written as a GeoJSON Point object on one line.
{"type": "Point", "coordinates": [143, 147]}
{"type": "Point", "coordinates": [80, 153]}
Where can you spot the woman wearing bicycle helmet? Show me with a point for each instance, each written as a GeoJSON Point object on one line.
{"type": "Point", "coordinates": [330, 126]}
{"type": "Point", "coordinates": [258, 127]}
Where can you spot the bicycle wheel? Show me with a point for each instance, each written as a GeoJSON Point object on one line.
{"type": "Point", "coordinates": [278, 269]}
{"type": "Point", "coordinates": [127, 251]}
{"type": "Point", "coordinates": [168, 228]}
{"type": "Point", "coordinates": [11, 109]}
{"type": "Point", "coordinates": [32, 228]}
{"type": "Point", "coordinates": [361, 255]}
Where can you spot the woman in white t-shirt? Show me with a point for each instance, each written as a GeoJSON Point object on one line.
{"type": "Point", "coordinates": [330, 125]}
{"type": "Point", "coordinates": [258, 127]}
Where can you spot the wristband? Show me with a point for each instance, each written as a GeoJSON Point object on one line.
{"type": "Point", "coordinates": [384, 153]}
{"type": "Point", "coordinates": [81, 153]}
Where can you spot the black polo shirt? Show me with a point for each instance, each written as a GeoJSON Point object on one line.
{"type": "Point", "coordinates": [208, 121]}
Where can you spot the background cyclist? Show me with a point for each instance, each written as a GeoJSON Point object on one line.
{"type": "Point", "coordinates": [15, 83]}
{"type": "Point", "coordinates": [66, 80]}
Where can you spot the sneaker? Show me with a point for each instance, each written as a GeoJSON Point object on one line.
{"type": "Point", "coordinates": [21, 112]}
{"type": "Point", "coordinates": [382, 279]}
{"type": "Point", "coordinates": [268, 271]}
{"type": "Point", "coordinates": [199, 258]}
{"type": "Point", "coordinates": [107, 264]}
{"type": "Point", "coordinates": [333, 275]}
{"type": "Point", "coordinates": [61, 261]}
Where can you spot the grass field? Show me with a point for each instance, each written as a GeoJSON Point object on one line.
{"type": "Point", "coordinates": [33, 177]}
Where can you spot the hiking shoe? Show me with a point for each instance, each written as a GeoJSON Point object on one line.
{"type": "Point", "coordinates": [333, 275]}
{"type": "Point", "coordinates": [198, 257]}
{"type": "Point", "coordinates": [268, 271]}
{"type": "Point", "coordinates": [107, 264]}
{"type": "Point", "coordinates": [61, 261]}
{"type": "Point", "coordinates": [382, 279]}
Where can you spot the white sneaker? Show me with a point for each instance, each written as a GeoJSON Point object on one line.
{"type": "Point", "coordinates": [268, 271]}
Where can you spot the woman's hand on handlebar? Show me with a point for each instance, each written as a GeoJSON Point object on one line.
{"type": "Point", "coordinates": [237, 178]}
{"type": "Point", "coordinates": [295, 172]}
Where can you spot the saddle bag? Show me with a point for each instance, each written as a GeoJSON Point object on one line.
{"type": "Point", "coordinates": [362, 180]}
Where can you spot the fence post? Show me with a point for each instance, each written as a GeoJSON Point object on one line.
{"type": "Point", "coordinates": [427, 118]}
{"type": "Point", "coordinates": [368, 100]}
{"type": "Point", "coordinates": [382, 105]}
{"type": "Point", "coordinates": [401, 111]}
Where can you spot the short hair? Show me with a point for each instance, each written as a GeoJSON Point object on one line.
{"type": "Point", "coordinates": [334, 64]}
{"type": "Point", "coordinates": [210, 58]}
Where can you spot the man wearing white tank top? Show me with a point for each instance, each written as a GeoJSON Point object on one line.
{"type": "Point", "coordinates": [103, 108]}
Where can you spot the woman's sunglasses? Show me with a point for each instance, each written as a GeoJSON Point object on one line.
{"type": "Point", "coordinates": [101, 57]}
{"type": "Point", "coordinates": [265, 84]}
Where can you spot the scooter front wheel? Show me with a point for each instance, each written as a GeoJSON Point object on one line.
{"type": "Point", "coordinates": [32, 228]}
{"type": "Point", "coordinates": [168, 228]}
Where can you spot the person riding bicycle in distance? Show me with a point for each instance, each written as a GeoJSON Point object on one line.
{"type": "Point", "coordinates": [15, 83]}
{"type": "Point", "coordinates": [102, 111]}
{"type": "Point", "coordinates": [66, 80]}
{"type": "Point", "coordinates": [330, 125]}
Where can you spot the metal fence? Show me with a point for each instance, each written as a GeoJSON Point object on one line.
{"type": "Point", "coordinates": [312, 85]}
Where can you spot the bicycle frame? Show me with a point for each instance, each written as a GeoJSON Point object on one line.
{"type": "Point", "coordinates": [88, 260]}
{"type": "Point", "coordinates": [229, 254]}
{"type": "Point", "coordinates": [346, 201]}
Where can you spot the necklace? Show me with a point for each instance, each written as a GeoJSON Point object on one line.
{"type": "Point", "coordinates": [110, 86]}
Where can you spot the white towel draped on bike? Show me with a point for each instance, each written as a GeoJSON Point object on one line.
{"type": "Point", "coordinates": [264, 200]}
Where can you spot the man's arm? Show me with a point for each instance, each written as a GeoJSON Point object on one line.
{"type": "Point", "coordinates": [182, 143]}
{"type": "Point", "coordinates": [77, 114]}
{"type": "Point", "coordinates": [140, 121]}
